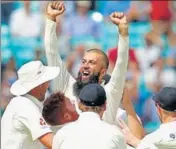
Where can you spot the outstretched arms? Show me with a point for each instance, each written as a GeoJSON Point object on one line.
{"type": "Point", "coordinates": [55, 9]}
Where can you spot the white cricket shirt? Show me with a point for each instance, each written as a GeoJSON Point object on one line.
{"type": "Point", "coordinates": [89, 132]}
{"type": "Point", "coordinates": [163, 138]}
{"type": "Point", "coordinates": [22, 124]}
{"type": "Point", "coordinates": [64, 82]}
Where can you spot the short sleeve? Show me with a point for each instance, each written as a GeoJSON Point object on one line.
{"type": "Point", "coordinates": [32, 119]}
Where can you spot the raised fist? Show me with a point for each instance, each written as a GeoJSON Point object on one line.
{"type": "Point", "coordinates": [120, 20]}
{"type": "Point", "coordinates": [55, 9]}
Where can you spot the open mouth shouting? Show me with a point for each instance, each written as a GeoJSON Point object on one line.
{"type": "Point", "coordinates": [85, 75]}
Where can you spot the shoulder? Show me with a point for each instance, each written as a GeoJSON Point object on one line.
{"type": "Point", "coordinates": [64, 131]}
{"type": "Point", "coordinates": [67, 127]}
{"type": "Point", "coordinates": [26, 106]}
{"type": "Point", "coordinates": [19, 101]}
{"type": "Point", "coordinates": [153, 137]}
{"type": "Point", "coordinates": [26, 102]}
{"type": "Point", "coordinates": [17, 12]}
{"type": "Point", "coordinates": [115, 134]}
{"type": "Point", "coordinates": [21, 106]}
{"type": "Point", "coordinates": [61, 134]}
{"type": "Point", "coordinates": [113, 129]}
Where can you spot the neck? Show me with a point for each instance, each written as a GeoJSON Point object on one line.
{"type": "Point", "coordinates": [168, 119]}
{"type": "Point", "coordinates": [37, 96]}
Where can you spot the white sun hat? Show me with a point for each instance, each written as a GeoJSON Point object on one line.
{"type": "Point", "coordinates": [31, 75]}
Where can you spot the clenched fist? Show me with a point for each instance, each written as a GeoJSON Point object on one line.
{"type": "Point", "coordinates": [120, 20]}
{"type": "Point", "coordinates": [55, 9]}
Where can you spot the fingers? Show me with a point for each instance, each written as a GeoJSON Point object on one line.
{"type": "Point", "coordinates": [63, 8]}
{"type": "Point", "coordinates": [117, 15]}
{"type": "Point", "coordinates": [54, 3]}
{"type": "Point", "coordinates": [122, 124]}
{"type": "Point", "coordinates": [57, 5]}
{"type": "Point", "coordinates": [60, 5]}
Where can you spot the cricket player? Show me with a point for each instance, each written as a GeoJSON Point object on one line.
{"type": "Point", "coordinates": [94, 63]}
{"type": "Point", "coordinates": [22, 124]}
{"type": "Point", "coordinates": [165, 136]}
{"type": "Point", "coordinates": [89, 131]}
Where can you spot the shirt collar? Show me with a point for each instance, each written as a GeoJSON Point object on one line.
{"type": "Point", "coordinates": [88, 115]}
{"type": "Point", "coordinates": [168, 125]}
{"type": "Point", "coordinates": [57, 127]}
{"type": "Point", "coordinates": [35, 100]}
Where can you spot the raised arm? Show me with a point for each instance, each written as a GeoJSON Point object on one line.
{"type": "Point", "coordinates": [114, 88]}
{"type": "Point", "coordinates": [134, 123]}
{"type": "Point", "coordinates": [55, 9]}
{"type": "Point", "coordinates": [118, 76]}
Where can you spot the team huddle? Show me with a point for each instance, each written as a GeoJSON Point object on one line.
{"type": "Point", "coordinates": [82, 112]}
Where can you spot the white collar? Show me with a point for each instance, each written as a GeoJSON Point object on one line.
{"type": "Point", "coordinates": [88, 115]}
{"type": "Point", "coordinates": [35, 100]}
{"type": "Point", "coordinates": [57, 127]}
{"type": "Point", "coordinates": [168, 125]}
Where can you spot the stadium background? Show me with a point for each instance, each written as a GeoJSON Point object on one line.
{"type": "Point", "coordinates": [151, 64]}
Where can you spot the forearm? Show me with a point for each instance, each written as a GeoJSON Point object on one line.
{"type": "Point", "coordinates": [116, 84]}
{"type": "Point", "coordinates": [50, 37]}
{"type": "Point", "coordinates": [119, 73]}
{"type": "Point", "coordinates": [53, 57]}
{"type": "Point", "coordinates": [47, 140]}
{"type": "Point", "coordinates": [133, 122]}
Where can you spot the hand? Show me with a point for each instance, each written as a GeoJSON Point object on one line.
{"type": "Point", "coordinates": [120, 20]}
{"type": "Point", "coordinates": [128, 135]}
{"type": "Point", "coordinates": [54, 9]}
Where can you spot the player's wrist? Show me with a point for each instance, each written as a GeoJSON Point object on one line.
{"type": "Point", "coordinates": [52, 18]}
{"type": "Point", "coordinates": [123, 30]}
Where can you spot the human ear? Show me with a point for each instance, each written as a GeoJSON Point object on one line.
{"type": "Point", "coordinates": [102, 74]}
{"type": "Point", "coordinates": [67, 117]}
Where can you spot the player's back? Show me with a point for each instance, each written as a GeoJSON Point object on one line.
{"type": "Point", "coordinates": [89, 132]}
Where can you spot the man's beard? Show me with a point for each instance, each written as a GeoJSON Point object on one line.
{"type": "Point", "coordinates": [79, 84]}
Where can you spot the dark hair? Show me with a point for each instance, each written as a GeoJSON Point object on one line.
{"type": "Point", "coordinates": [105, 57]}
{"type": "Point", "coordinates": [52, 106]}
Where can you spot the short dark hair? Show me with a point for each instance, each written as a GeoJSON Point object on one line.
{"type": "Point", "coordinates": [105, 57]}
{"type": "Point", "coordinates": [51, 108]}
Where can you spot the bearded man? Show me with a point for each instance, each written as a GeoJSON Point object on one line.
{"type": "Point", "coordinates": [94, 63]}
